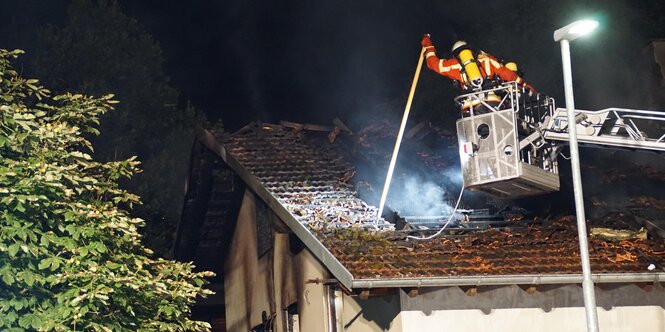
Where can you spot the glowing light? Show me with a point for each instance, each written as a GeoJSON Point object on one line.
{"type": "Point", "coordinates": [584, 27]}
{"type": "Point", "coordinates": [575, 30]}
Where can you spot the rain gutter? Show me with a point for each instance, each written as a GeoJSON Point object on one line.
{"type": "Point", "coordinates": [545, 279]}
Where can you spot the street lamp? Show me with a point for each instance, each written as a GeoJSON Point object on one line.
{"type": "Point", "coordinates": [575, 30]}
{"type": "Point", "coordinates": [565, 35]}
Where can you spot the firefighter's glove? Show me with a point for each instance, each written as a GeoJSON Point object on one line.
{"type": "Point", "coordinates": [426, 42]}
{"type": "Point", "coordinates": [532, 92]}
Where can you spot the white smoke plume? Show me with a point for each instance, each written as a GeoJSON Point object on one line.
{"type": "Point", "coordinates": [415, 196]}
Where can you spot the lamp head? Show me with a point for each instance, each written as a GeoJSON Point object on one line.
{"type": "Point", "coordinates": [575, 30]}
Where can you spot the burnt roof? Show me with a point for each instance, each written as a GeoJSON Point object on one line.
{"type": "Point", "coordinates": [308, 175]}
{"type": "Point", "coordinates": [543, 249]}
{"type": "Point", "coordinates": [303, 176]}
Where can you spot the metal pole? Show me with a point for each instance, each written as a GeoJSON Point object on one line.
{"type": "Point", "coordinates": [587, 283]}
{"type": "Point", "coordinates": [398, 141]}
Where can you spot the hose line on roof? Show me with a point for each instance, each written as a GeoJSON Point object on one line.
{"type": "Point", "coordinates": [452, 214]}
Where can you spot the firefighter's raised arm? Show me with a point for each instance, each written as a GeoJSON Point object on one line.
{"type": "Point", "coordinates": [446, 67]}
{"type": "Point", "coordinates": [426, 41]}
{"type": "Point", "coordinates": [430, 52]}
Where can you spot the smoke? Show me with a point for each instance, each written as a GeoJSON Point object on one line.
{"type": "Point", "coordinates": [413, 195]}
{"type": "Point", "coordinates": [453, 175]}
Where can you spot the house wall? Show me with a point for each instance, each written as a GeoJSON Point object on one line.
{"type": "Point", "coordinates": [272, 282]}
{"type": "Point", "coordinates": [285, 279]}
{"type": "Point", "coordinates": [375, 314]}
{"type": "Point", "coordinates": [624, 308]}
{"type": "Point", "coordinates": [312, 300]}
{"type": "Point", "coordinates": [245, 276]}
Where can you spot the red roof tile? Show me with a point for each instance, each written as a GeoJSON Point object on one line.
{"type": "Point", "coordinates": [551, 249]}
{"type": "Point", "coordinates": [308, 175]}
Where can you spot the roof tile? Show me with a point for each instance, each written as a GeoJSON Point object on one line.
{"type": "Point", "coordinates": [310, 177]}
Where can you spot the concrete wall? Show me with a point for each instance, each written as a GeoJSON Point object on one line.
{"type": "Point", "coordinates": [625, 308]}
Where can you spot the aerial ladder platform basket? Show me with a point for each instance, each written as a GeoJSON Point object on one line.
{"type": "Point", "coordinates": [511, 150]}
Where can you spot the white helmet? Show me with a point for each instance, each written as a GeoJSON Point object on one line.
{"type": "Point", "coordinates": [458, 44]}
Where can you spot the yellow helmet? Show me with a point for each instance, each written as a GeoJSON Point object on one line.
{"type": "Point", "coordinates": [512, 66]}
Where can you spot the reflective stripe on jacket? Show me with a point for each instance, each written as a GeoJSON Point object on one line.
{"type": "Point", "coordinates": [489, 67]}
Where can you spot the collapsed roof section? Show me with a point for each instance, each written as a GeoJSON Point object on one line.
{"type": "Point", "coordinates": [303, 176]}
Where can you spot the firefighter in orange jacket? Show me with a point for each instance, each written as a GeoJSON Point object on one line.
{"type": "Point", "coordinates": [487, 69]}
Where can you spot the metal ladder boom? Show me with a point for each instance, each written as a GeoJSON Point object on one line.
{"type": "Point", "coordinates": [617, 128]}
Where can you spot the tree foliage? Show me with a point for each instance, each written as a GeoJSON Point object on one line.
{"type": "Point", "coordinates": [70, 253]}
{"type": "Point", "coordinates": [96, 49]}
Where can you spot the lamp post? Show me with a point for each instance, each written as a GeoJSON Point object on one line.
{"type": "Point", "coordinates": [565, 35]}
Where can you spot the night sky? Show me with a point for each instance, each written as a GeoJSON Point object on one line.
{"type": "Point", "coordinates": [310, 61]}
{"type": "Point", "coordinates": [300, 61]}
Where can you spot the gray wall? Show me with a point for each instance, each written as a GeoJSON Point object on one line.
{"type": "Point", "coordinates": [625, 308]}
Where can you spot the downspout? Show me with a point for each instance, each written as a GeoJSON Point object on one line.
{"type": "Point", "coordinates": [271, 292]}
{"type": "Point", "coordinates": [335, 306]}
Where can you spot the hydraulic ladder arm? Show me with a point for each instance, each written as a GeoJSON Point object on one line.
{"type": "Point", "coordinates": [612, 127]}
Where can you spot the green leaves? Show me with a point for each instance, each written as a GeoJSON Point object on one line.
{"type": "Point", "coordinates": [13, 249]}
{"type": "Point", "coordinates": [51, 264]}
{"type": "Point", "coordinates": [44, 264]}
{"type": "Point", "coordinates": [8, 279]}
{"type": "Point", "coordinates": [70, 256]}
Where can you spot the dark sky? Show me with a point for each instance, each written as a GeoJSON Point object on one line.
{"type": "Point", "coordinates": [295, 60]}
{"type": "Point", "coordinates": [314, 60]}
{"type": "Point", "coordinates": [311, 61]}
